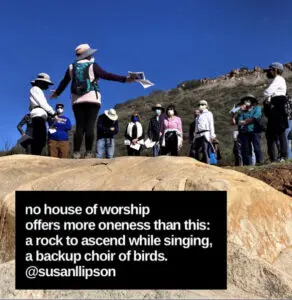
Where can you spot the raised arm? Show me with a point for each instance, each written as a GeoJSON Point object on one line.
{"type": "Point", "coordinates": [100, 73]}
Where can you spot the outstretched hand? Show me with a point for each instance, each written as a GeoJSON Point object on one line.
{"type": "Point", "coordinates": [130, 79]}
{"type": "Point", "coordinates": [53, 95]}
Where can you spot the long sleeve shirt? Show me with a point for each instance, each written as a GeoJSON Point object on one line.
{"type": "Point", "coordinates": [154, 128]}
{"type": "Point", "coordinates": [95, 73]}
{"type": "Point", "coordinates": [39, 106]}
{"type": "Point", "coordinates": [255, 113]}
{"type": "Point", "coordinates": [103, 127]}
{"type": "Point", "coordinates": [171, 123]}
{"type": "Point", "coordinates": [278, 87]}
{"type": "Point", "coordinates": [62, 126]}
{"type": "Point", "coordinates": [205, 125]}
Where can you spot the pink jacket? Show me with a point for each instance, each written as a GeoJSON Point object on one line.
{"type": "Point", "coordinates": [171, 123]}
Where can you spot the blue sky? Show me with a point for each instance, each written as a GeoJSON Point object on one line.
{"type": "Point", "coordinates": [170, 40]}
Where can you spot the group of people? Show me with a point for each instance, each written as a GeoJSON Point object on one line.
{"type": "Point", "coordinates": [84, 75]}
{"type": "Point", "coordinates": [164, 134]}
{"type": "Point", "coordinates": [273, 117]}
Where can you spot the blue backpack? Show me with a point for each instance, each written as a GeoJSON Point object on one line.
{"type": "Point", "coordinates": [81, 83]}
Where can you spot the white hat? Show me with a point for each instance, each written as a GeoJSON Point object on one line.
{"type": "Point", "coordinates": [43, 77]}
{"type": "Point", "coordinates": [82, 51]}
{"type": "Point", "coordinates": [203, 102]}
{"type": "Point", "coordinates": [111, 114]}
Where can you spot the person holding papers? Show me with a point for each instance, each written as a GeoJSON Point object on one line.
{"type": "Point", "coordinates": [154, 128]}
{"type": "Point", "coordinates": [58, 137]}
{"type": "Point", "coordinates": [171, 132]}
{"type": "Point", "coordinates": [134, 136]}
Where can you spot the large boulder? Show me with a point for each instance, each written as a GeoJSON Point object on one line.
{"type": "Point", "coordinates": [259, 217]}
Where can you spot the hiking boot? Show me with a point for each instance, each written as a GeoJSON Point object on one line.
{"type": "Point", "coordinates": [88, 155]}
{"type": "Point", "coordinates": [76, 155]}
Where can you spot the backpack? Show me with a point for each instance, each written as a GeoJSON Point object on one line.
{"type": "Point", "coordinates": [262, 122]}
{"type": "Point", "coordinates": [81, 83]}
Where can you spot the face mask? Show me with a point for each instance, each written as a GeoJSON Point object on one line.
{"type": "Point", "coordinates": [170, 112]}
{"type": "Point", "coordinates": [158, 112]}
{"type": "Point", "coordinates": [135, 119]}
{"type": "Point", "coordinates": [270, 75]}
{"type": "Point", "coordinates": [59, 110]}
{"type": "Point", "coordinates": [202, 107]}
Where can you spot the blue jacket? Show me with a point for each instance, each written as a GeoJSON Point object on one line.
{"type": "Point", "coordinates": [63, 127]}
{"type": "Point", "coordinates": [255, 113]}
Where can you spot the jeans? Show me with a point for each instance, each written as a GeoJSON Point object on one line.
{"type": "Point", "coordinates": [201, 145]}
{"type": "Point", "coordinates": [251, 141]}
{"type": "Point", "coordinates": [289, 142]}
{"type": "Point", "coordinates": [105, 146]}
{"type": "Point", "coordinates": [156, 149]}
{"type": "Point", "coordinates": [272, 139]}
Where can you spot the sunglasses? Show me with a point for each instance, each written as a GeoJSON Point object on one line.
{"type": "Point", "coordinates": [202, 104]}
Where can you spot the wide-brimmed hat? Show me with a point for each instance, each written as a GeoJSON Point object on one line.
{"type": "Point", "coordinates": [82, 51]}
{"type": "Point", "coordinates": [249, 97]}
{"type": "Point", "coordinates": [111, 114]}
{"type": "Point", "coordinates": [43, 77]}
{"type": "Point", "coordinates": [277, 66]}
{"type": "Point", "coordinates": [158, 106]}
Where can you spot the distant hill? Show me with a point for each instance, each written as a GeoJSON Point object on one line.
{"type": "Point", "coordinates": [221, 96]}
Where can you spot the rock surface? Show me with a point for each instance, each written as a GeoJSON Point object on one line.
{"type": "Point", "coordinates": [259, 218]}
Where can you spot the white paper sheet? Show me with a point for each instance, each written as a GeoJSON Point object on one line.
{"type": "Point", "coordinates": [52, 130]}
{"type": "Point", "coordinates": [149, 144]}
{"type": "Point", "coordinates": [136, 146]}
{"type": "Point", "coordinates": [140, 77]}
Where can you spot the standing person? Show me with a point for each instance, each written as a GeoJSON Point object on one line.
{"type": "Point", "coordinates": [237, 148]}
{"type": "Point", "coordinates": [192, 129]}
{"type": "Point", "coordinates": [249, 130]}
{"type": "Point", "coordinates": [85, 93]}
{"type": "Point", "coordinates": [154, 128]}
{"type": "Point", "coordinates": [107, 127]}
{"type": "Point", "coordinates": [204, 132]}
{"type": "Point", "coordinates": [58, 137]}
{"type": "Point", "coordinates": [289, 129]}
{"type": "Point", "coordinates": [171, 132]}
{"type": "Point", "coordinates": [275, 111]}
{"type": "Point", "coordinates": [134, 136]}
{"type": "Point", "coordinates": [39, 112]}
{"type": "Point", "coordinates": [27, 135]}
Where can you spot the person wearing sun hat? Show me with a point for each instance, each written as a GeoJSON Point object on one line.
{"type": "Point", "coordinates": [107, 127]}
{"type": "Point", "coordinates": [58, 136]}
{"type": "Point", "coordinates": [40, 110]}
{"type": "Point", "coordinates": [84, 74]}
{"type": "Point", "coordinates": [275, 111]}
{"type": "Point", "coordinates": [204, 132]}
{"type": "Point", "coordinates": [249, 130]}
{"type": "Point", "coordinates": [154, 128]}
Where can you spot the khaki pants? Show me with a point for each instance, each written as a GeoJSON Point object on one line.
{"type": "Point", "coordinates": [58, 148]}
